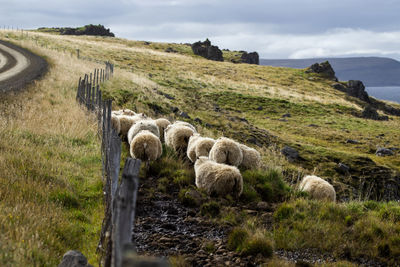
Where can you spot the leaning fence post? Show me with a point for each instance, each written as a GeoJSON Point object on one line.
{"type": "Point", "coordinates": [124, 210]}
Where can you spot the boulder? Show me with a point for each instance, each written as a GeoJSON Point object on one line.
{"type": "Point", "coordinates": [74, 258]}
{"type": "Point", "coordinates": [382, 152]}
{"type": "Point", "coordinates": [206, 50]}
{"type": "Point", "coordinates": [370, 112]}
{"type": "Point", "coordinates": [290, 153]}
{"type": "Point", "coordinates": [357, 89]}
{"type": "Point", "coordinates": [250, 58]}
{"type": "Point", "coordinates": [324, 69]}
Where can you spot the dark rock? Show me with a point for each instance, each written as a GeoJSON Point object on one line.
{"type": "Point", "coordinates": [146, 43]}
{"type": "Point", "coordinates": [250, 58]}
{"type": "Point", "coordinates": [340, 87]}
{"type": "Point", "coordinates": [313, 125]}
{"type": "Point", "coordinates": [165, 95]}
{"type": "Point", "coordinates": [174, 109]}
{"type": "Point", "coordinates": [74, 258]}
{"type": "Point", "coordinates": [343, 168]}
{"type": "Point", "coordinates": [260, 108]}
{"type": "Point", "coordinates": [286, 115]}
{"type": "Point", "coordinates": [243, 120]}
{"type": "Point", "coordinates": [184, 115]}
{"type": "Point", "coordinates": [206, 50]}
{"type": "Point", "coordinates": [97, 30]}
{"type": "Point", "coordinates": [370, 112]}
{"type": "Point", "coordinates": [351, 141]}
{"type": "Point", "coordinates": [290, 153]}
{"type": "Point", "coordinates": [324, 69]}
{"type": "Point", "coordinates": [357, 89]}
{"type": "Point", "coordinates": [198, 120]}
{"type": "Point", "coordinates": [170, 50]}
{"type": "Point", "coordinates": [382, 152]}
{"type": "Point", "coordinates": [217, 108]}
{"type": "Point", "coordinates": [255, 141]}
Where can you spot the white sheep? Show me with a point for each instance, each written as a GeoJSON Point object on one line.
{"type": "Point", "coordinates": [162, 125]}
{"type": "Point", "coordinates": [177, 137]}
{"type": "Point", "coordinates": [199, 146]}
{"type": "Point", "coordinates": [115, 123]}
{"type": "Point", "coordinates": [251, 157]}
{"type": "Point", "coordinates": [146, 146]}
{"type": "Point", "coordinates": [318, 188]}
{"type": "Point", "coordinates": [123, 112]}
{"type": "Point", "coordinates": [127, 121]}
{"type": "Point", "coordinates": [226, 151]}
{"type": "Point", "coordinates": [184, 123]}
{"type": "Point", "coordinates": [141, 125]}
{"type": "Point", "coordinates": [218, 179]}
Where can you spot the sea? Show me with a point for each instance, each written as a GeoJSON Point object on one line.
{"type": "Point", "coordinates": [391, 93]}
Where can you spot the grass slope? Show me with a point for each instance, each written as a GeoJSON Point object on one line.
{"type": "Point", "coordinates": [50, 168]}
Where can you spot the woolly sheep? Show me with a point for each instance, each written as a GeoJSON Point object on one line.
{"type": "Point", "coordinates": [226, 151]}
{"type": "Point", "coordinates": [199, 146]}
{"type": "Point", "coordinates": [146, 146]}
{"type": "Point", "coordinates": [184, 123]}
{"type": "Point", "coordinates": [318, 188]}
{"type": "Point", "coordinates": [127, 121]}
{"type": "Point", "coordinates": [162, 124]}
{"type": "Point", "coordinates": [141, 125]}
{"type": "Point", "coordinates": [177, 137]}
{"type": "Point", "coordinates": [251, 157]}
{"type": "Point", "coordinates": [124, 112]}
{"type": "Point", "coordinates": [115, 123]}
{"type": "Point", "coordinates": [218, 179]}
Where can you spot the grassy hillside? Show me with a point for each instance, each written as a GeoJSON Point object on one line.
{"type": "Point", "coordinates": [245, 102]}
{"type": "Point", "coordinates": [50, 168]}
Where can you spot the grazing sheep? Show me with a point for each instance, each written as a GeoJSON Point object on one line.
{"type": "Point", "coordinates": [124, 112]}
{"type": "Point", "coordinates": [177, 137]}
{"type": "Point", "coordinates": [318, 188]}
{"type": "Point", "coordinates": [184, 123]}
{"type": "Point", "coordinates": [218, 179]}
{"type": "Point", "coordinates": [127, 121]}
{"type": "Point", "coordinates": [141, 125]}
{"type": "Point", "coordinates": [199, 146]}
{"type": "Point", "coordinates": [162, 125]}
{"type": "Point", "coordinates": [115, 123]}
{"type": "Point", "coordinates": [146, 146]}
{"type": "Point", "coordinates": [251, 157]}
{"type": "Point", "coordinates": [226, 151]}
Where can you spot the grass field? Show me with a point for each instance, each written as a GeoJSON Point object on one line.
{"type": "Point", "coordinates": [50, 162]}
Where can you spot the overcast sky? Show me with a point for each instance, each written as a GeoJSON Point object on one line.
{"type": "Point", "coordinates": [274, 28]}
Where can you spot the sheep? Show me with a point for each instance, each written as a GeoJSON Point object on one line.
{"type": "Point", "coordinates": [184, 123]}
{"type": "Point", "coordinates": [123, 112]}
{"type": "Point", "coordinates": [115, 123]}
{"type": "Point", "coordinates": [226, 151]}
{"type": "Point", "coordinates": [141, 125]}
{"type": "Point", "coordinates": [146, 146]}
{"type": "Point", "coordinates": [199, 146]}
{"type": "Point", "coordinates": [127, 121]}
{"type": "Point", "coordinates": [218, 179]}
{"type": "Point", "coordinates": [162, 125]}
{"type": "Point", "coordinates": [251, 157]}
{"type": "Point", "coordinates": [318, 188]}
{"type": "Point", "coordinates": [177, 137]}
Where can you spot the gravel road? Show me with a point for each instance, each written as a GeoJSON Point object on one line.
{"type": "Point", "coordinates": [18, 67]}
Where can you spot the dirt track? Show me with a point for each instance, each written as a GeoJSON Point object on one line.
{"type": "Point", "coordinates": [18, 67]}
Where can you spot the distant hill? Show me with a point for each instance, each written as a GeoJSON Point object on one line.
{"type": "Point", "coordinates": [373, 71]}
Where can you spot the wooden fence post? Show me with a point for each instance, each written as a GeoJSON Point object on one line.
{"type": "Point", "coordinates": [124, 210]}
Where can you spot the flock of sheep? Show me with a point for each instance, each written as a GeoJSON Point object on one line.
{"type": "Point", "coordinates": [216, 162]}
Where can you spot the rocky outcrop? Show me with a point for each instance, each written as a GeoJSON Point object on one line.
{"type": "Point", "coordinates": [74, 258]}
{"type": "Point", "coordinates": [250, 58]}
{"type": "Point", "coordinates": [370, 112]}
{"type": "Point", "coordinates": [324, 68]}
{"type": "Point", "coordinates": [97, 30]}
{"type": "Point", "coordinates": [290, 153]}
{"type": "Point", "coordinates": [356, 88]}
{"type": "Point", "coordinates": [206, 50]}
